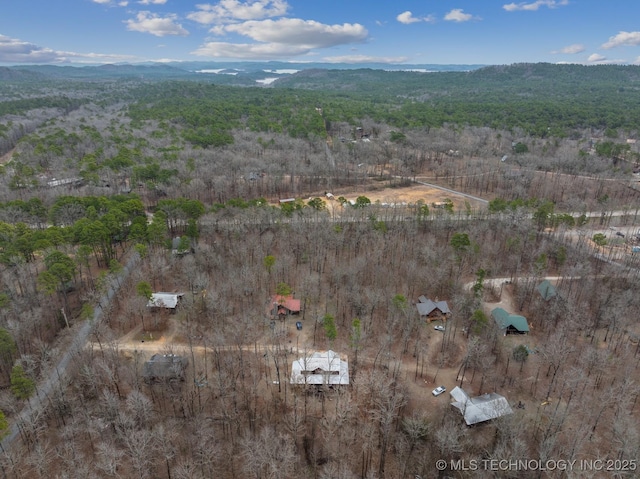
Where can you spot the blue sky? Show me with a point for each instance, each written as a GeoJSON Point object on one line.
{"type": "Point", "coordinates": [388, 31]}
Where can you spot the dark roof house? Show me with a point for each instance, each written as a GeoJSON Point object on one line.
{"type": "Point", "coordinates": [432, 309]}
{"type": "Point", "coordinates": [510, 323]}
{"type": "Point", "coordinates": [165, 367]}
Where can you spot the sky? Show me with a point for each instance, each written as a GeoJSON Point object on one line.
{"type": "Point", "coordinates": [487, 32]}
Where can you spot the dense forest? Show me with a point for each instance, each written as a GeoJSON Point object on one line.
{"type": "Point", "coordinates": [120, 182]}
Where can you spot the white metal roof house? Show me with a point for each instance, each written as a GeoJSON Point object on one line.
{"type": "Point", "coordinates": [323, 367]}
{"type": "Point", "coordinates": [63, 182]}
{"type": "Point", "coordinates": [481, 408]}
{"type": "Point", "coordinates": [164, 300]}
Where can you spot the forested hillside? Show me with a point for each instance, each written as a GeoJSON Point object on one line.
{"type": "Point", "coordinates": [323, 211]}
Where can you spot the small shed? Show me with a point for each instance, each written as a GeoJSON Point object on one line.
{"type": "Point", "coordinates": [510, 323]}
{"type": "Point", "coordinates": [165, 367]}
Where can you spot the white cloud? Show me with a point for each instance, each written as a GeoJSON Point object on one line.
{"type": "Point", "coordinates": [98, 57]}
{"type": "Point", "coordinates": [147, 22]}
{"type": "Point", "coordinates": [152, 2]}
{"type": "Point", "coordinates": [571, 49]}
{"type": "Point", "coordinates": [364, 59]}
{"type": "Point", "coordinates": [282, 38]}
{"type": "Point", "coordinates": [217, 30]}
{"type": "Point", "coordinates": [13, 50]}
{"type": "Point", "coordinates": [124, 3]}
{"type": "Point", "coordinates": [271, 38]}
{"type": "Point", "coordinates": [297, 32]}
{"type": "Point", "coordinates": [257, 51]}
{"type": "Point", "coordinates": [407, 18]}
{"type": "Point", "coordinates": [534, 6]}
{"type": "Point", "coordinates": [457, 15]}
{"type": "Point", "coordinates": [623, 38]}
{"type": "Point", "coordinates": [234, 10]}
{"type": "Point", "coordinates": [598, 59]}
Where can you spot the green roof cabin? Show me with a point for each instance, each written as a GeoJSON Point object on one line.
{"type": "Point", "coordinates": [547, 290]}
{"type": "Point", "coordinates": [510, 323]}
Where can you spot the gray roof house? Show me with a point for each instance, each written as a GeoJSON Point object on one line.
{"type": "Point", "coordinates": [426, 307]}
{"type": "Point", "coordinates": [481, 408]}
{"type": "Point", "coordinates": [165, 367]}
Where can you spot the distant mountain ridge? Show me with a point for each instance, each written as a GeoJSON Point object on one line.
{"type": "Point", "coordinates": [11, 74]}
{"type": "Point", "coordinates": [276, 65]}
{"type": "Point", "coordinates": [245, 72]}
{"type": "Point", "coordinates": [415, 81]}
{"type": "Point", "coordinates": [107, 71]}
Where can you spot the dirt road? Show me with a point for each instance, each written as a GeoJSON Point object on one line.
{"type": "Point", "coordinates": [37, 402]}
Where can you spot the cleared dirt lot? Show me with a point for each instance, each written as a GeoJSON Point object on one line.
{"type": "Point", "coordinates": [409, 194]}
{"type": "Point", "coordinates": [401, 195]}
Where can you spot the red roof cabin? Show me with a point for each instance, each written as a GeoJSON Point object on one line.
{"type": "Point", "coordinates": [284, 305]}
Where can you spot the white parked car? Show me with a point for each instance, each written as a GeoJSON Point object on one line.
{"type": "Point", "coordinates": [439, 328]}
{"type": "Point", "coordinates": [439, 390]}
